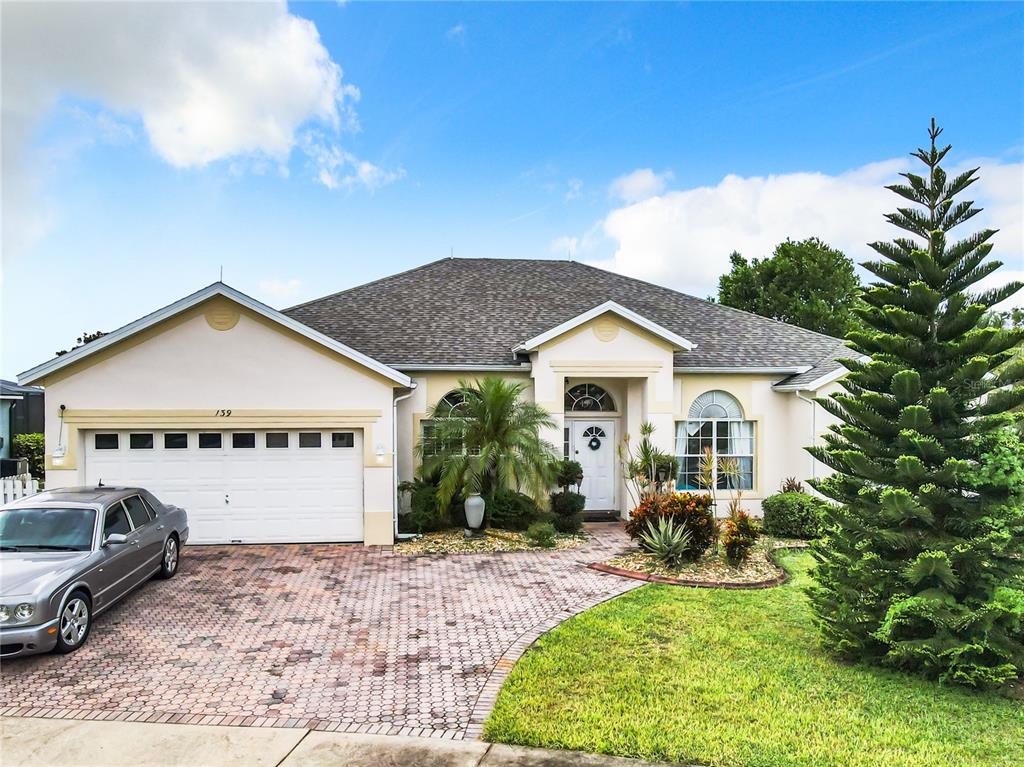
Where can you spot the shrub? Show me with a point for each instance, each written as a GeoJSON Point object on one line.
{"type": "Point", "coordinates": [667, 541]}
{"type": "Point", "coordinates": [568, 473]}
{"type": "Point", "coordinates": [739, 532]}
{"type": "Point", "coordinates": [567, 511]}
{"type": "Point", "coordinates": [423, 515]}
{"type": "Point", "coordinates": [689, 510]}
{"type": "Point", "coordinates": [30, 446]}
{"type": "Point", "coordinates": [509, 510]}
{"type": "Point", "coordinates": [793, 515]}
{"type": "Point", "coordinates": [541, 534]}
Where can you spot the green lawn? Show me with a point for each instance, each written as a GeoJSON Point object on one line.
{"type": "Point", "coordinates": [736, 678]}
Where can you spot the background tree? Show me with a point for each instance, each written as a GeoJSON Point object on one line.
{"type": "Point", "coordinates": [82, 340]}
{"type": "Point", "coordinates": [921, 566]}
{"type": "Point", "coordinates": [490, 442]}
{"type": "Point", "coordinates": [805, 283]}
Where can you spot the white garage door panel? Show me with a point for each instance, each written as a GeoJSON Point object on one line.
{"type": "Point", "coordinates": [245, 495]}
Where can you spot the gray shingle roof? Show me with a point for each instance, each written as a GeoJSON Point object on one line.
{"type": "Point", "coordinates": [472, 311]}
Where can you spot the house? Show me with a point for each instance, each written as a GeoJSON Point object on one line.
{"type": "Point", "coordinates": [297, 425]}
{"type": "Point", "coordinates": [21, 412]}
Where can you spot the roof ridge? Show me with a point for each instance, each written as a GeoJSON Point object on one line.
{"type": "Point", "coordinates": [371, 282]}
{"type": "Point", "coordinates": [788, 325]}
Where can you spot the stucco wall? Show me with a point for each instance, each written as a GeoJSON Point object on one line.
{"type": "Point", "coordinates": [183, 371]}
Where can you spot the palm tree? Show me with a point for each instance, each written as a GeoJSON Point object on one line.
{"type": "Point", "coordinates": [491, 441]}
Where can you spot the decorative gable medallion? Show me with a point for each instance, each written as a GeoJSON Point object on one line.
{"type": "Point", "coordinates": [606, 329]}
{"type": "Point", "coordinates": [222, 317]}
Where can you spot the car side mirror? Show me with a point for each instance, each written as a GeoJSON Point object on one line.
{"type": "Point", "coordinates": [115, 539]}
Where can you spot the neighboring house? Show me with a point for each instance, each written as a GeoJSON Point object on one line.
{"type": "Point", "coordinates": [21, 412]}
{"type": "Point", "coordinates": [296, 426]}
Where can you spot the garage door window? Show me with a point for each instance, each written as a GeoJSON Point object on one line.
{"type": "Point", "coordinates": [243, 439]}
{"type": "Point", "coordinates": [140, 441]}
{"type": "Point", "coordinates": [209, 440]}
{"type": "Point", "coordinates": [309, 439]}
{"type": "Point", "coordinates": [176, 441]}
{"type": "Point", "coordinates": [343, 439]}
{"type": "Point", "coordinates": [277, 439]}
{"type": "Point", "coordinates": [106, 442]}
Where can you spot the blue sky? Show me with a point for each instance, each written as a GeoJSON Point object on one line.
{"type": "Point", "coordinates": [310, 147]}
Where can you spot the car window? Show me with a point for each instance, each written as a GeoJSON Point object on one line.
{"type": "Point", "coordinates": [116, 521]}
{"type": "Point", "coordinates": [48, 528]}
{"type": "Point", "coordinates": [137, 510]}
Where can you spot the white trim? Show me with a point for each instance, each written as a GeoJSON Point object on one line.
{"type": "Point", "coordinates": [817, 383]}
{"type": "Point", "coordinates": [216, 289]}
{"type": "Point", "coordinates": [523, 368]}
{"type": "Point", "coordinates": [792, 370]}
{"type": "Point", "coordinates": [11, 396]}
{"type": "Point", "coordinates": [677, 341]}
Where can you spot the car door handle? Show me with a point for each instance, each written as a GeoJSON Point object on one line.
{"type": "Point", "coordinates": [159, 527]}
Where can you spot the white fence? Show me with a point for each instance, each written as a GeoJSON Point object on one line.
{"type": "Point", "coordinates": [12, 488]}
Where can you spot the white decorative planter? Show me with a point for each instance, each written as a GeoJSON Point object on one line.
{"type": "Point", "coordinates": [474, 511]}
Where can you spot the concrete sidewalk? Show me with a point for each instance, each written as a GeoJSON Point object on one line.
{"type": "Point", "coordinates": [26, 742]}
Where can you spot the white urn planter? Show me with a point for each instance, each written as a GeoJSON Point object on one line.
{"type": "Point", "coordinates": [474, 511]}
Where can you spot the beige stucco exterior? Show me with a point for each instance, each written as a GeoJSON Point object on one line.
{"type": "Point", "coordinates": [216, 357]}
{"type": "Point", "coordinates": [636, 368]}
{"type": "Point", "coordinates": [219, 355]}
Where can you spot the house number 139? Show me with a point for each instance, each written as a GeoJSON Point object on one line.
{"type": "Point", "coordinates": [223, 413]}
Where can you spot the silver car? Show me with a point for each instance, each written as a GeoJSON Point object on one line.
{"type": "Point", "coordinates": [67, 555]}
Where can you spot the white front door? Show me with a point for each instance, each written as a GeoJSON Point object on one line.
{"type": "Point", "coordinates": [244, 485]}
{"type": "Point", "coordinates": [593, 446]}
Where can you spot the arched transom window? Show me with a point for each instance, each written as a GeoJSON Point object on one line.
{"type": "Point", "coordinates": [446, 407]}
{"type": "Point", "coordinates": [715, 423]}
{"type": "Point", "coordinates": [588, 398]}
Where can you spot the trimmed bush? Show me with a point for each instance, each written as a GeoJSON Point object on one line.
{"type": "Point", "coordinates": [739, 532]}
{"type": "Point", "coordinates": [567, 510]}
{"type": "Point", "coordinates": [509, 510]}
{"type": "Point", "coordinates": [793, 515]}
{"type": "Point", "coordinates": [568, 473]}
{"type": "Point", "coordinates": [31, 446]}
{"type": "Point", "coordinates": [689, 510]}
{"type": "Point", "coordinates": [541, 534]}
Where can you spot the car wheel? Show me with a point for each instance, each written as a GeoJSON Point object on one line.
{"type": "Point", "coordinates": [74, 623]}
{"type": "Point", "coordinates": [169, 560]}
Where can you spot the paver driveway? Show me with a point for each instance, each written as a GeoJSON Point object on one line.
{"type": "Point", "coordinates": [329, 637]}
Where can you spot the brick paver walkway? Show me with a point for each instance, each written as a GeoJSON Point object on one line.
{"type": "Point", "coordinates": [320, 636]}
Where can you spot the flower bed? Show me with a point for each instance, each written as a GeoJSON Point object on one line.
{"type": "Point", "coordinates": [455, 542]}
{"type": "Point", "coordinates": [711, 570]}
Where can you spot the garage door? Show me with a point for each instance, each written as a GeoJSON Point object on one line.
{"type": "Point", "coordinates": [242, 486]}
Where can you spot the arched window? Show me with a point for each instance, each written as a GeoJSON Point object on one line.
{"type": "Point", "coordinates": [449, 405]}
{"type": "Point", "coordinates": [588, 398]}
{"type": "Point", "coordinates": [716, 423]}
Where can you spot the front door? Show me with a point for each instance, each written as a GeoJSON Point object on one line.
{"type": "Point", "coordinates": [593, 446]}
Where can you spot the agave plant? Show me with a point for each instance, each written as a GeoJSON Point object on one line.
{"type": "Point", "coordinates": [667, 541]}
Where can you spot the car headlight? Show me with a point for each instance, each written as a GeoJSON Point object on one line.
{"type": "Point", "coordinates": [24, 611]}
{"type": "Point", "coordinates": [5, 612]}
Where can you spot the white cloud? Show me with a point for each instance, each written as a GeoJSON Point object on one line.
{"type": "Point", "coordinates": [206, 81]}
{"type": "Point", "coordinates": [683, 238]}
{"type": "Point", "coordinates": [639, 185]}
{"type": "Point", "coordinates": [456, 33]}
{"type": "Point", "coordinates": [575, 189]}
{"type": "Point", "coordinates": [339, 169]}
{"type": "Point", "coordinates": [280, 290]}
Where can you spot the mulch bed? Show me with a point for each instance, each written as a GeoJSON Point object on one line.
{"type": "Point", "coordinates": [455, 542]}
{"type": "Point", "coordinates": [761, 571]}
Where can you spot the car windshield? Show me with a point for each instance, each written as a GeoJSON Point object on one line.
{"type": "Point", "coordinates": [46, 529]}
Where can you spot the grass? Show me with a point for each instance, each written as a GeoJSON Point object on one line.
{"type": "Point", "coordinates": [736, 679]}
